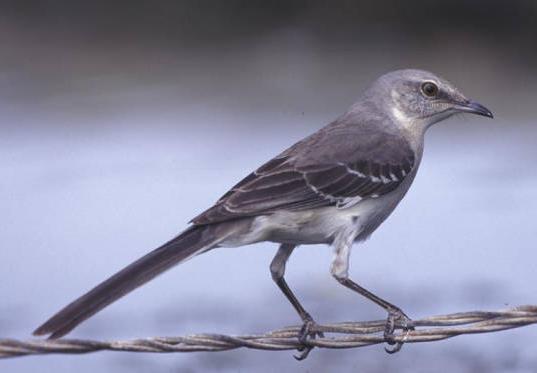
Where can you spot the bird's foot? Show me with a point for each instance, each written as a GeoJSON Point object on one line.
{"type": "Point", "coordinates": [396, 318]}
{"type": "Point", "coordinates": [307, 331]}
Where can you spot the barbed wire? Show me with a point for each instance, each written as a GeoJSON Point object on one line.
{"type": "Point", "coordinates": [336, 336]}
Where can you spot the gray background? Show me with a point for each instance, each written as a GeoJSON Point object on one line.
{"type": "Point", "coordinates": [121, 122]}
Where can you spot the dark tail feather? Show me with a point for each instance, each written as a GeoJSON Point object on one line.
{"type": "Point", "coordinates": [193, 241]}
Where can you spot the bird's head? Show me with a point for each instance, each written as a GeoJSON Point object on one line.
{"type": "Point", "coordinates": [420, 97]}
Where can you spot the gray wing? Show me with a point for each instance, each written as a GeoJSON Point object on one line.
{"type": "Point", "coordinates": [327, 169]}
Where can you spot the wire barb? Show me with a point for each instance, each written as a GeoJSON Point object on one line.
{"type": "Point", "coordinates": [339, 335]}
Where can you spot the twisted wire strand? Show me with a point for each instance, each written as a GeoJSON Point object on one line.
{"type": "Point", "coordinates": [339, 335]}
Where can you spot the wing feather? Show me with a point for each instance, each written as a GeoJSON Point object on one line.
{"type": "Point", "coordinates": [290, 182]}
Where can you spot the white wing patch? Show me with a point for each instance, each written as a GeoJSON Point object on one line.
{"type": "Point", "coordinates": [382, 179]}
{"type": "Point", "coordinates": [348, 202]}
{"type": "Point", "coordinates": [316, 190]}
{"type": "Point", "coordinates": [351, 171]}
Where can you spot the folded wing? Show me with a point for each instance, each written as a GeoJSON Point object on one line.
{"type": "Point", "coordinates": [298, 181]}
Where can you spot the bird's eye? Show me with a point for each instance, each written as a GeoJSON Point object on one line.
{"type": "Point", "coordinates": [429, 89]}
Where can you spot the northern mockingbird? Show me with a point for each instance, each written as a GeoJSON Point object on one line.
{"type": "Point", "coordinates": [334, 187]}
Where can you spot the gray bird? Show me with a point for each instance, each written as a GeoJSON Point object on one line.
{"type": "Point", "coordinates": [334, 187]}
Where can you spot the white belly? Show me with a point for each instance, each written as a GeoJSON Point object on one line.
{"type": "Point", "coordinates": [316, 226]}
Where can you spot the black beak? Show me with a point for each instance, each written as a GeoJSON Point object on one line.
{"type": "Point", "coordinates": [474, 108]}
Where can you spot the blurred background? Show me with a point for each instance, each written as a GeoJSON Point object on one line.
{"type": "Point", "coordinates": [119, 121]}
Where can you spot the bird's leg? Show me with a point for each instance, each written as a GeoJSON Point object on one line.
{"type": "Point", "coordinates": [277, 270]}
{"type": "Point", "coordinates": [396, 317]}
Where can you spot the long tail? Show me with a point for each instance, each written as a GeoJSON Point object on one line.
{"type": "Point", "coordinates": [193, 241]}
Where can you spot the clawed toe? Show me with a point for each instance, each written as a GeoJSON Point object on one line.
{"type": "Point", "coordinates": [396, 318]}
{"type": "Point", "coordinates": [305, 333]}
